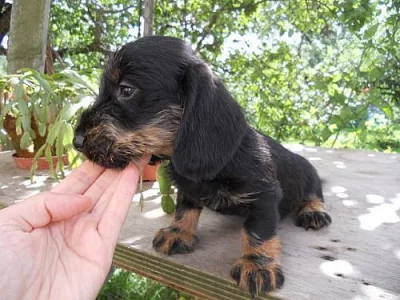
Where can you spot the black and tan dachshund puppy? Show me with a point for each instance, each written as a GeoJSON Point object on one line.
{"type": "Point", "coordinates": [157, 96]}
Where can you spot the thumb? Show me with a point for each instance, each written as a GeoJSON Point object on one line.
{"type": "Point", "coordinates": [43, 209]}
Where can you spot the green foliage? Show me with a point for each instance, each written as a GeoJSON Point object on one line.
{"type": "Point", "coordinates": [129, 286]}
{"type": "Point", "coordinates": [308, 71]}
{"type": "Point", "coordinates": [85, 32]}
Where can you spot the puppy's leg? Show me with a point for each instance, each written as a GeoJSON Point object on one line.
{"type": "Point", "coordinates": [258, 270]}
{"type": "Point", "coordinates": [180, 236]}
{"type": "Point", "coordinates": [311, 214]}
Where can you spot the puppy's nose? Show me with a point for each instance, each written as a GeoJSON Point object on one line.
{"type": "Point", "coordinates": [78, 141]}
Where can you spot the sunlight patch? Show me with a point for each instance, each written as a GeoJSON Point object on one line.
{"type": "Point", "coordinates": [154, 213]}
{"type": "Point", "coordinates": [338, 189]}
{"type": "Point", "coordinates": [339, 164]}
{"type": "Point", "coordinates": [384, 213]}
{"type": "Point", "coordinates": [342, 195]}
{"type": "Point", "coordinates": [350, 203]}
{"type": "Point", "coordinates": [336, 268]}
{"type": "Point", "coordinates": [373, 292]}
{"type": "Point", "coordinates": [375, 199]}
{"type": "Point", "coordinates": [132, 240]}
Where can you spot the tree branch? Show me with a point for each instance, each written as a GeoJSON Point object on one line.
{"type": "Point", "coordinates": [94, 47]}
{"type": "Point", "coordinates": [116, 11]}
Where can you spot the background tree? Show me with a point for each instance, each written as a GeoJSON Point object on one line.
{"type": "Point", "coordinates": [324, 72]}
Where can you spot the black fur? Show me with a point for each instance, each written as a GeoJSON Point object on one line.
{"type": "Point", "coordinates": [218, 160]}
{"type": "Point", "coordinates": [212, 124]}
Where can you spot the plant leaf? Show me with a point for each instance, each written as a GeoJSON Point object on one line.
{"type": "Point", "coordinates": [26, 140]}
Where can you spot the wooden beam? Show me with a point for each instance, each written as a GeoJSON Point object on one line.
{"type": "Point", "coordinates": [177, 276]}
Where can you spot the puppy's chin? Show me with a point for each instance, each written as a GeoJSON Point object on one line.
{"type": "Point", "coordinates": [112, 161]}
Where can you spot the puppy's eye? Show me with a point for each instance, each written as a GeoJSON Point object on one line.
{"type": "Point", "coordinates": [126, 91]}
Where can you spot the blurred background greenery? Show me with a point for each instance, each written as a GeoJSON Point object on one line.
{"type": "Point", "coordinates": [128, 286]}
{"type": "Point", "coordinates": [319, 72]}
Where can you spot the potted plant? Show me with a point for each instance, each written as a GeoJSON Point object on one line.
{"type": "Point", "coordinates": [38, 111]}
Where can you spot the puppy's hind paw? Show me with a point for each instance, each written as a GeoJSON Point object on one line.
{"type": "Point", "coordinates": [172, 240]}
{"type": "Point", "coordinates": [257, 275]}
{"type": "Point", "coordinates": [313, 219]}
{"type": "Point", "coordinates": [312, 215]}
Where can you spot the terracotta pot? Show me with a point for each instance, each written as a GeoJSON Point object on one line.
{"type": "Point", "coordinates": [25, 163]}
{"type": "Point", "coordinates": [150, 173]}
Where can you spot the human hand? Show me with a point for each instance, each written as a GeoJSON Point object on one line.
{"type": "Point", "coordinates": [59, 244]}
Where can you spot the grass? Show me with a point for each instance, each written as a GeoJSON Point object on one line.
{"type": "Point", "coordinates": [129, 286]}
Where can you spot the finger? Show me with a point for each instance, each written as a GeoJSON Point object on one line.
{"type": "Point", "coordinates": [117, 209]}
{"type": "Point", "coordinates": [80, 179]}
{"type": "Point", "coordinates": [45, 208]}
{"type": "Point", "coordinates": [102, 204]}
{"type": "Point", "coordinates": [103, 187]}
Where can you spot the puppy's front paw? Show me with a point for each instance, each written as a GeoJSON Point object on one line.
{"type": "Point", "coordinates": [172, 240]}
{"type": "Point", "coordinates": [313, 219]}
{"type": "Point", "coordinates": [257, 274]}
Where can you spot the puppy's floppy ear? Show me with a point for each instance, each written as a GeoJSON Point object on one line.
{"type": "Point", "coordinates": [212, 126]}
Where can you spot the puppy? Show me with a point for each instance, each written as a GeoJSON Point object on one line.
{"type": "Point", "coordinates": [157, 96]}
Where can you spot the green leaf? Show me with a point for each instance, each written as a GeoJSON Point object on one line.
{"type": "Point", "coordinates": [332, 89]}
{"type": "Point", "coordinates": [5, 110]}
{"type": "Point", "coordinates": [163, 180]}
{"type": "Point", "coordinates": [60, 141]}
{"type": "Point", "coordinates": [370, 32]}
{"type": "Point", "coordinates": [32, 133]}
{"type": "Point", "coordinates": [44, 83]}
{"type": "Point", "coordinates": [42, 129]}
{"type": "Point", "coordinates": [69, 111]}
{"type": "Point", "coordinates": [375, 74]}
{"type": "Point", "coordinates": [336, 77]}
{"type": "Point", "coordinates": [325, 134]}
{"type": "Point", "coordinates": [19, 90]}
{"type": "Point", "coordinates": [35, 160]}
{"type": "Point", "coordinates": [74, 77]}
{"type": "Point", "coordinates": [68, 134]}
{"type": "Point", "coordinates": [346, 113]}
{"type": "Point", "coordinates": [23, 109]}
{"type": "Point", "coordinates": [167, 204]}
{"type": "Point", "coordinates": [388, 111]}
{"type": "Point", "coordinates": [49, 158]}
{"type": "Point", "coordinates": [41, 114]}
{"type": "Point", "coordinates": [339, 98]}
{"type": "Point", "coordinates": [26, 140]}
{"type": "Point", "coordinates": [362, 135]}
{"type": "Point", "coordinates": [54, 131]}
{"type": "Point", "coordinates": [18, 128]}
